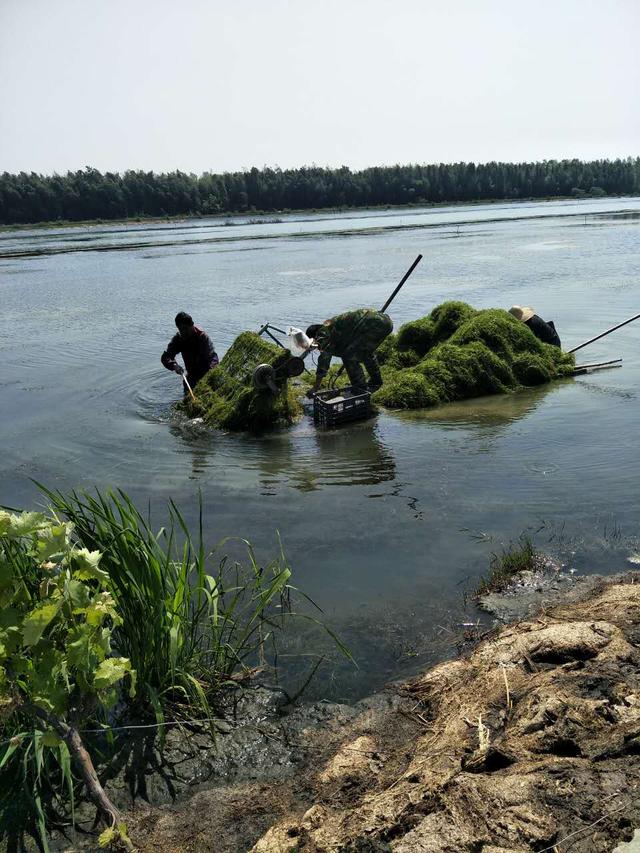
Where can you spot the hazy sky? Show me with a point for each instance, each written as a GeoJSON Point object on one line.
{"type": "Point", "coordinates": [213, 85]}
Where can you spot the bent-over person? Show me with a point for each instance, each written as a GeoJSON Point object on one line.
{"type": "Point", "coordinates": [544, 330]}
{"type": "Point", "coordinates": [353, 336]}
{"type": "Point", "coordinates": [196, 348]}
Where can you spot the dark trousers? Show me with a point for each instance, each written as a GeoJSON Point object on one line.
{"type": "Point", "coordinates": [353, 365]}
{"type": "Point", "coordinates": [194, 376]}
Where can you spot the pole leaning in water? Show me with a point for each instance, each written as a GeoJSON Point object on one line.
{"type": "Point", "coordinates": [191, 394]}
{"type": "Point", "coordinates": [603, 334]}
{"type": "Point", "coordinates": [404, 278]}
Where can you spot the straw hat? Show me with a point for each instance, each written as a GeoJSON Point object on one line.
{"type": "Point", "coordinates": [521, 313]}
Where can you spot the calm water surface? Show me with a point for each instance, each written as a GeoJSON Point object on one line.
{"type": "Point", "coordinates": [385, 522]}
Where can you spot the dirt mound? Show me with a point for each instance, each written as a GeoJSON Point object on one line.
{"type": "Point", "coordinates": [532, 739]}
{"type": "Point", "coordinates": [457, 352]}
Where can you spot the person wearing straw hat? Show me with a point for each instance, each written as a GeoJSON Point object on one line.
{"type": "Point", "coordinates": [543, 330]}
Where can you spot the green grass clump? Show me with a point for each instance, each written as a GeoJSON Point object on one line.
{"type": "Point", "coordinates": [449, 316]}
{"type": "Point", "coordinates": [227, 398]}
{"type": "Point", "coordinates": [522, 557]}
{"type": "Point", "coordinates": [409, 391]}
{"type": "Point", "coordinates": [418, 335]}
{"type": "Point", "coordinates": [458, 352]}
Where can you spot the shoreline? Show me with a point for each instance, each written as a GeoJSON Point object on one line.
{"type": "Point", "coordinates": [158, 220]}
{"type": "Point", "coordinates": [525, 737]}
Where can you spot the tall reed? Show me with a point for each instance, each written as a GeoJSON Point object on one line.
{"type": "Point", "coordinates": [191, 619]}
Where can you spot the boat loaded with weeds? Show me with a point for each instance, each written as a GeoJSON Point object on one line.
{"type": "Point", "coordinates": [104, 622]}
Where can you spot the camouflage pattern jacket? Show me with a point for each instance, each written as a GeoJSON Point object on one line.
{"type": "Point", "coordinates": [350, 334]}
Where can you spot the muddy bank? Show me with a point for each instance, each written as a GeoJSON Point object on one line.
{"type": "Point", "coordinates": [530, 739]}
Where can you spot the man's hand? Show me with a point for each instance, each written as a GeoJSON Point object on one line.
{"type": "Point", "coordinates": [178, 369]}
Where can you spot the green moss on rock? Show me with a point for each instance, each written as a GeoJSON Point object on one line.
{"type": "Point", "coordinates": [227, 398]}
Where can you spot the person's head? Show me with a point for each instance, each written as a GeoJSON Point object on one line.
{"type": "Point", "coordinates": [184, 322]}
{"type": "Point", "coordinates": [520, 313]}
{"type": "Point", "coordinates": [312, 330]}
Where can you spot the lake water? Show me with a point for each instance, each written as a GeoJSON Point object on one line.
{"type": "Point", "coordinates": [386, 522]}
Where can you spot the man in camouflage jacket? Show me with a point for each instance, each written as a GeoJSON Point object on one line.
{"type": "Point", "coordinates": [353, 336]}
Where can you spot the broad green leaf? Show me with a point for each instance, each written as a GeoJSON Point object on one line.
{"type": "Point", "coordinates": [17, 526]}
{"type": "Point", "coordinates": [36, 623]}
{"type": "Point", "coordinates": [78, 594]}
{"type": "Point", "coordinates": [110, 671]}
{"type": "Point", "coordinates": [102, 606]}
{"type": "Point", "coordinates": [13, 744]}
{"type": "Point", "coordinates": [79, 648]}
{"type": "Point", "coordinates": [53, 539]}
{"type": "Point", "coordinates": [85, 565]}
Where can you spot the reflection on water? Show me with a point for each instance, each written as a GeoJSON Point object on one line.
{"type": "Point", "coordinates": [497, 411]}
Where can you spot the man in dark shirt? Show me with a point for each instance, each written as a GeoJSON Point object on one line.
{"type": "Point", "coordinates": [196, 347]}
{"type": "Point", "coordinates": [353, 337]}
{"type": "Point", "coordinates": [544, 331]}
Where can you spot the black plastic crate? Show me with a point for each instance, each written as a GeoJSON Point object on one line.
{"type": "Point", "coordinates": [340, 406]}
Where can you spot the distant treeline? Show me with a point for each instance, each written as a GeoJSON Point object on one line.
{"type": "Point", "coordinates": [90, 194]}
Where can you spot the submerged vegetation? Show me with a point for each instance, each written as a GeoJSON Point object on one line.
{"type": "Point", "coordinates": [103, 622]}
{"type": "Point", "coordinates": [89, 194]}
{"type": "Point", "coordinates": [226, 396]}
{"type": "Point", "coordinates": [457, 352]}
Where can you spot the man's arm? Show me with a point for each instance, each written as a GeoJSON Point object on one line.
{"type": "Point", "coordinates": [324, 362]}
{"type": "Point", "coordinates": [168, 357]}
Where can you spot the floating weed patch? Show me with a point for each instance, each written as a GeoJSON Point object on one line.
{"type": "Point", "coordinates": [226, 397]}
{"type": "Point", "coordinates": [457, 353]}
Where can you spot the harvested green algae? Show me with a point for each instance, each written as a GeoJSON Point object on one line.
{"type": "Point", "coordinates": [227, 398]}
{"type": "Point", "coordinates": [458, 352]}
{"type": "Point", "coordinates": [454, 353]}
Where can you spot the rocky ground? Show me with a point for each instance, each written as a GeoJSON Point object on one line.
{"type": "Point", "coordinates": [529, 742]}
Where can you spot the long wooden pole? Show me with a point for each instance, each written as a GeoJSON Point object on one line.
{"type": "Point", "coordinates": [191, 394]}
{"type": "Point", "coordinates": [607, 332]}
{"type": "Point", "coordinates": [404, 278]}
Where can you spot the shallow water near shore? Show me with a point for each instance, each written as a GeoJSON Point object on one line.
{"type": "Point", "coordinates": [385, 522]}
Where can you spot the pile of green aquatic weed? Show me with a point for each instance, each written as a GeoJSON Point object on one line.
{"type": "Point", "coordinates": [458, 352]}
{"type": "Point", "coordinates": [227, 398]}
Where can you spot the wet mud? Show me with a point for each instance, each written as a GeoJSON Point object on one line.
{"type": "Point", "coordinates": [529, 741]}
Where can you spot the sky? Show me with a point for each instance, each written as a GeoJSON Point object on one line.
{"type": "Point", "coordinates": [219, 85]}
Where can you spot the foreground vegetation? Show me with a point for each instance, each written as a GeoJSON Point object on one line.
{"type": "Point", "coordinates": [89, 194]}
{"type": "Point", "coordinates": [104, 621]}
